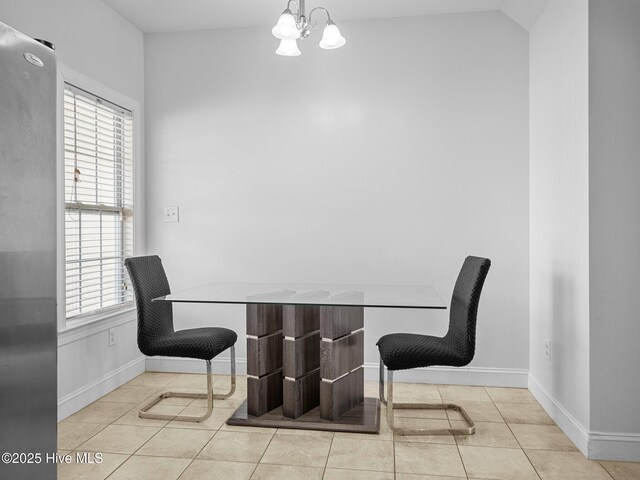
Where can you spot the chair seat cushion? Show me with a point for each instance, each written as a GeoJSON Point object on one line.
{"type": "Point", "coordinates": [400, 351]}
{"type": "Point", "coordinates": [202, 343]}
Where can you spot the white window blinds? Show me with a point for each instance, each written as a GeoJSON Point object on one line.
{"type": "Point", "coordinates": [98, 160]}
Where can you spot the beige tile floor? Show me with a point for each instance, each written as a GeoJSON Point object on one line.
{"type": "Point", "coordinates": [515, 439]}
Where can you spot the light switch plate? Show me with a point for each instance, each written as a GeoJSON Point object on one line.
{"type": "Point", "coordinates": [171, 214]}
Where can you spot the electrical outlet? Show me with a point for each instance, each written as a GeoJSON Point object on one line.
{"type": "Point", "coordinates": [171, 215]}
{"type": "Point", "coordinates": [113, 338]}
{"type": "Point", "coordinates": [547, 349]}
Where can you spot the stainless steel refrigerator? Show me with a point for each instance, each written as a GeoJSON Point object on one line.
{"type": "Point", "coordinates": [28, 339]}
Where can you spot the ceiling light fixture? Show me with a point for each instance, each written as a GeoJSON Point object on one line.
{"type": "Point", "coordinates": [293, 26]}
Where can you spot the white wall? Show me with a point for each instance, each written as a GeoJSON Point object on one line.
{"type": "Point", "coordinates": [585, 115]}
{"type": "Point", "coordinates": [92, 39]}
{"type": "Point", "coordinates": [614, 172]}
{"type": "Point", "coordinates": [559, 212]}
{"type": "Point", "coordinates": [387, 161]}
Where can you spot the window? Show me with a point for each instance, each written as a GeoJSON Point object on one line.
{"type": "Point", "coordinates": [98, 164]}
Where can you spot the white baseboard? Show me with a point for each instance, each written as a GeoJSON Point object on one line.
{"type": "Point", "coordinates": [572, 428]}
{"type": "Point", "coordinates": [83, 396]}
{"type": "Point", "coordinates": [219, 365]}
{"type": "Point", "coordinates": [594, 445]}
{"type": "Point", "coordinates": [623, 447]}
{"type": "Point", "coordinates": [485, 376]}
{"type": "Point", "coordinates": [496, 377]}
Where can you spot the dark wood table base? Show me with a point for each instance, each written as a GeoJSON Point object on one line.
{"type": "Point", "coordinates": [364, 418]}
{"type": "Point", "coordinates": [305, 368]}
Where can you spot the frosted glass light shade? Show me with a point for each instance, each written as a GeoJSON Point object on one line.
{"type": "Point", "coordinates": [286, 28]}
{"type": "Point", "coordinates": [288, 48]}
{"type": "Point", "coordinates": [331, 37]}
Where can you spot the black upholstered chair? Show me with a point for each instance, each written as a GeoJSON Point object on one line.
{"type": "Point", "coordinates": [401, 351]}
{"type": "Point", "coordinates": [156, 335]}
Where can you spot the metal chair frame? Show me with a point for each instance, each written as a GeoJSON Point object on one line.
{"type": "Point", "coordinates": [470, 430]}
{"type": "Point", "coordinates": [210, 396]}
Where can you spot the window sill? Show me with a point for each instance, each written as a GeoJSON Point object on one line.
{"type": "Point", "coordinates": [78, 329]}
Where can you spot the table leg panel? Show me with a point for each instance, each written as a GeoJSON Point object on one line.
{"type": "Point", "coordinates": [263, 319]}
{"type": "Point", "coordinates": [300, 320]}
{"type": "Point", "coordinates": [340, 396]}
{"type": "Point", "coordinates": [301, 355]}
{"type": "Point", "coordinates": [338, 321]}
{"type": "Point", "coordinates": [264, 354]}
{"type": "Point", "coordinates": [264, 393]}
{"type": "Point", "coordinates": [264, 358]}
{"type": "Point", "coordinates": [342, 355]}
{"type": "Point", "coordinates": [300, 394]}
{"type": "Point", "coordinates": [301, 359]}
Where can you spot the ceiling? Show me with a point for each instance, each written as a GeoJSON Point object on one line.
{"type": "Point", "coordinates": [187, 15]}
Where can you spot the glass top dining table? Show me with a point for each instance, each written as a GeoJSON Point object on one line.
{"type": "Point", "coordinates": [379, 296]}
{"type": "Point", "coordinates": [305, 349]}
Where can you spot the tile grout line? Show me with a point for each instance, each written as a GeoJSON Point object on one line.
{"type": "Point", "coordinates": [184, 407]}
{"type": "Point", "coordinates": [131, 455]}
{"type": "Point", "coordinates": [113, 423]}
{"type": "Point", "coordinates": [516, 438]}
{"type": "Point", "coordinates": [535, 449]}
{"type": "Point", "coordinates": [116, 469]}
{"type": "Point", "coordinates": [599, 462]}
{"type": "Point", "coordinates": [265, 451]}
{"type": "Point", "coordinates": [136, 405]}
{"type": "Point", "coordinates": [148, 440]}
{"type": "Point", "coordinates": [515, 448]}
{"type": "Point", "coordinates": [326, 462]}
{"type": "Point", "coordinates": [76, 448]}
{"type": "Point", "coordinates": [203, 447]}
{"type": "Point", "coordinates": [464, 467]}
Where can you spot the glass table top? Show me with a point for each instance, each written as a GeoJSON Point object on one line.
{"type": "Point", "coordinates": [382, 296]}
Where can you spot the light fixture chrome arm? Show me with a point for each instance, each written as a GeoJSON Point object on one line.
{"type": "Point", "coordinates": [324, 10]}
{"type": "Point", "coordinates": [297, 6]}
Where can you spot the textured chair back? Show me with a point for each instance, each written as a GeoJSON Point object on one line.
{"type": "Point", "coordinates": [464, 308]}
{"type": "Point", "coordinates": [155, 319]}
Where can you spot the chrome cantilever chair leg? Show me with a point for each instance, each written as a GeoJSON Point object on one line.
{"type": "Point", "coordinates": [210, 396]}
{"type": "Point", "coordinates": [470, 430]}
{"type": "Point", "coordinates": [381, 383]}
